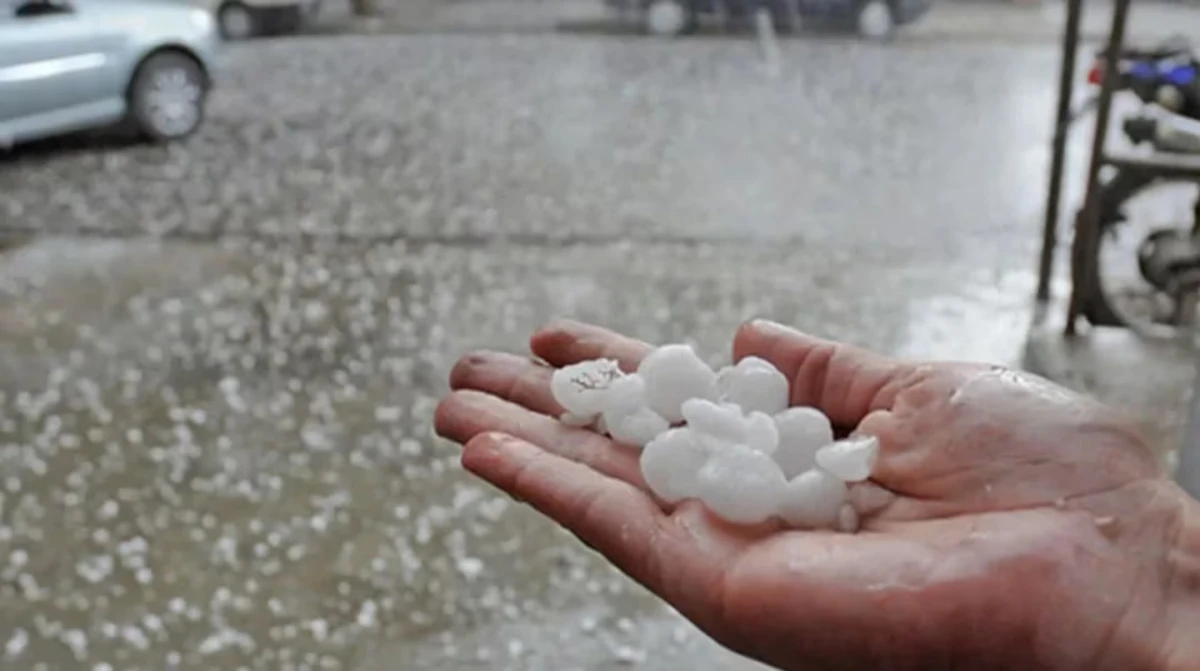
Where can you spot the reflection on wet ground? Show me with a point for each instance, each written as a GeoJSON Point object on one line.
{"type": "Point", "coordinates": [218, 454]}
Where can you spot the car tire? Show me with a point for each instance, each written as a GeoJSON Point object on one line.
{"type": "Point", "coordinates": [167, 97]}
{"type": "Point", "coordinates": [875, 20]}
{"type": "Point", "coordinates": [237, 21]}
{"type": "Point", "coordinates": [668, 18]}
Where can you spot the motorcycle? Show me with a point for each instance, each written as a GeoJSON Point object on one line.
{"type": "Point", "coordinates": [1166, 261]}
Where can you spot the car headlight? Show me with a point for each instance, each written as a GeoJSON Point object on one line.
{"type": "Point", "coordinates": [202, 19]}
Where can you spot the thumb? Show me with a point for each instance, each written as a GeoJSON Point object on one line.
{"type": "Point", "coordinates": [843, 381]}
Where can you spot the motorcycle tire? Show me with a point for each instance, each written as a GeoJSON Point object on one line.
{"type": "Point", "coordinates": [1111, 197]}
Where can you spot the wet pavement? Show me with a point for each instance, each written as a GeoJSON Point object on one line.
{"type": "Point", "coordinates": [215, 449]}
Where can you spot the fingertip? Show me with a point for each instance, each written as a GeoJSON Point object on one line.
{"type": "Point", "coordinates": [461, 373]}
{"type": "Point", "coordinates": [481, 453]}
{"type": "Point", "coordinates": [444, 416]}
{"type": "Point", "coordinates": [762, 337]}
{"type": "Point", "coordinates": [552, 338]}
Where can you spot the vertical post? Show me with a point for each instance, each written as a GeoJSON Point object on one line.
{"type": "Point", "coordinates": [1058, 149]}
{"type": "Point", "coordinates": [1083, 251]}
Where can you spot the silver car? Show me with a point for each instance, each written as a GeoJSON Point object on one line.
{"type": "Point", "coordinates": [78, 64]}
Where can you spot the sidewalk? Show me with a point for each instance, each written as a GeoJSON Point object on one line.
{"type": "Point", "coordinates": [985, 21]}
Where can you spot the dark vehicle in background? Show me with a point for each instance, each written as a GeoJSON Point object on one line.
{"type": "Point", "coordinates": [872, 19]}
{"type": "Point", "coordinates": [243, 19]}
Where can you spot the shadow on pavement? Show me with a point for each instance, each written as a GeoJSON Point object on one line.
{"type": "Point", "coordinates": [66, 144]}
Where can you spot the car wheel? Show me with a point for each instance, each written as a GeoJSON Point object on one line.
{"type": "Point", "coordinates": [667, 18]}
{"type": "Point", "coordinates": [875, 20]}
{"type": "Point", "coordinates": [167, 97]}
{"type": "Point", "coordinates": [236, 21]}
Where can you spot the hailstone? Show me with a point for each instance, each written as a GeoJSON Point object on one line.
{"type": "Point", "coordinates": [813, 500]}
{"type": "Point", "coordinates": [674, 374]}
{"type": "Point", "coordinates": [742, 485]}
{"type": "Point", "coordinates": [637, 428]}
{"type": "Point", "coordinates": [722, 421]}
{"type": "Point", "coordinates": [671, 464]}
{"type": "Point", "coordinates": [754, 384]}
{"type": "Point", "coordinates": [581, 388]}
{"type": "Point", "coordinates": [626, 395]}
{"type": "Point", "coordinates": [761, 434]}
{"type": "Point", "coordinates": [744, 453]}
{"type": "Point", "coordinates": [852, 459]}
{"type": "Point", "coordinates": [802, 431]}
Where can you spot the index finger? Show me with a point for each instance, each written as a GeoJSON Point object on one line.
{"type": "Point", "coordinates": [843, 381]}
{"type": "Point", "coordinates": [565, 342]}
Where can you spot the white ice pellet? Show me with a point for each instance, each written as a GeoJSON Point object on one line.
{"type": "Point", "coordinates": [742, 485]}
{"type": "Point", "coordinates": [581, 388]}
{"type": "Point", "coordinates": [869, 498]}
{"type": "Point", "coordinates": [674, 374]}
{"type": "Point", "coordinates": [626, 395]}
{"type": "Point", "coordinates": [722, 421]}
{"type": "Point", "coordinates": [802, 431]}
{"type": "Point", "coordinates": [636, 429]}
{"type": "Point", "coordinates": [852, 459]}
{"type": "Point", "coordinates": [755, 384]}
{"type": "Point", "coordinates": [671, 464]}
{"type": "Point", "coordinates": [761, 434]}
{"type": "Point", "coordinates": [813, 500]}
{"type": "Point", "coordinates": [848, 519]}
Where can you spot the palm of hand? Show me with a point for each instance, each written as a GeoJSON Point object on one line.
{"type": "Point", "coordinates": [973, 561]}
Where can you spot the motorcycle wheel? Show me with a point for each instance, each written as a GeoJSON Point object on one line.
{"type": "Point", "coordinates": [1103, 308]}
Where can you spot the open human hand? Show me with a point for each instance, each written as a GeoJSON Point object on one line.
{"type": "Point", "coordinates": [1031, 529]}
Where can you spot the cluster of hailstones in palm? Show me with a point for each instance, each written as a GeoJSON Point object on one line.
{"type": "Point", "coordinates": [726, 438]}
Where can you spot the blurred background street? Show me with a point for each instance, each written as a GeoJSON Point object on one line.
{"type": "Point", "coordinates": [220, 357]}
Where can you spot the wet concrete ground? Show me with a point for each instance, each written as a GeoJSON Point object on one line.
{"type": "Point", "coordinates": [217, 453]}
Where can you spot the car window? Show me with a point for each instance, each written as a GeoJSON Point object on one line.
{"type": "Point", "coordinates": [33, 8]}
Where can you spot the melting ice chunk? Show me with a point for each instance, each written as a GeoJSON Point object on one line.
{"type": "Point", "coordinates": [671, 463]}
{"type": "Point", "coordinates": [754, 384]}
{"type": "Point", "coordinates": [813, 500]}
{"type": "Point", "coordinates": [580, 388]}
{"type": "Point", "coordinates": [626, 395]}
{"type": "Point", "coordinates": [674, 374]}
{"type": "Point", "coordinates": [802, 431]}
{"type": "Point", "coordinates": [761, 433]}
{"type": "Point", "coordinates": [852, 459]}
{"type": "Point", "coordinates": [742, 485]}
{"type": "Point", "coordinates": [721, 421]}
{"type": "Point", "coordinates": [637, 428]}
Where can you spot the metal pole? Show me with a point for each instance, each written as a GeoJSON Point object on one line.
{"type": "Point", "coordinates": [1083, 250]}
{"type": "Point", "coordinates": [1058, 150]}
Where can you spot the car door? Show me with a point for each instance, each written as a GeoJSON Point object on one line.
{"type": "Point", "coordinates": [58, 63]}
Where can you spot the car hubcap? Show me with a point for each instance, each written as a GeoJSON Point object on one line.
{"type": "Point", "coordinates": [875, 20]}
{"type": "Point", "coordinates": [236, 23]}
{"type": "Point", "coordinates": [173, 102]}
{"type": "Point", "coordinates": [665, 17]}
